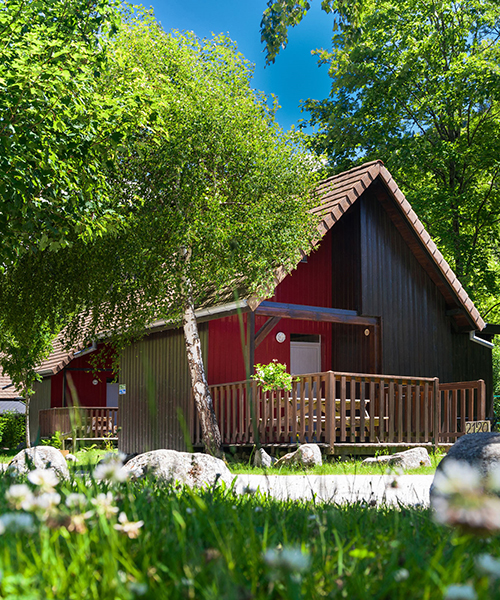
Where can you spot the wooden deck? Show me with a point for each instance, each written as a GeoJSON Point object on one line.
{"type": "Point", "coordinates": [346, 408]}
{"type": "Point", "coordinates": [80, 423]}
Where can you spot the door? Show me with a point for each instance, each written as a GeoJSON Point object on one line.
{"type": "Point", "coordinates": [305, 357]}
{"type": "Point", "coordinates": [112, 395]}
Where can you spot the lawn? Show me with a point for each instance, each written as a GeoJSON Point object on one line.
{"type": "Point", "coordinates": [174, 543]}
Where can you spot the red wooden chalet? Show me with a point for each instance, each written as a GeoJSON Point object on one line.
{"type": "Point", "coordinates": [389, 346]}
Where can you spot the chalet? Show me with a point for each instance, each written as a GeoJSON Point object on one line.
{"type": "Point", "coordinates": [390, 347]}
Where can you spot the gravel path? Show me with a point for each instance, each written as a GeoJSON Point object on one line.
{"type": "Point", "coordinates": [402, 489]}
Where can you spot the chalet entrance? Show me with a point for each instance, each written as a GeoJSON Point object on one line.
{"type": "Point", "coordinates": [305, 354]}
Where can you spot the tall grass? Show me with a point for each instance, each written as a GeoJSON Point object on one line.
{"type": "Point", "coordinates": [214, 544]}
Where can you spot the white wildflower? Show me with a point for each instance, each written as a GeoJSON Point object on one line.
{"type": "Point", "coordinates": [131, 528]}
{"type": "Point", "coordinates": [111, 468]}
{"type": "Point", "coordinates": [190, 511]}
{"type": "Point", "coordinates": [401, 575]}
{"type": "Point", "coordinates": [17, 522]}
{"type": "Point", "coordinates": [45, 503]}
{"type": "Point", "coordinates": [487, 565]}
{"type": "Point", "coordinates": [460, 592]}
{"type": "Point", "coordinates": [258, 509]}
{"type": "Point", "coordinates": [19, 496]}
{"type": "Point", "coordinates": [104, 504]}
{"type": "Point", "coordinates": [479, 512]}
{"type": "Point", "coordinates": [457, 477]}
{"type": "Point", "coordinates": [45, 479]}
{"type": "Point", "coordinates": [75, 500]}
{"type": "Point", "coordinates": [138, 589]}
{"type": "Point", "coordinates": [290, 559]}
{"type": "Point", "coordinates": [493, 479]}
{"type": "Point", "coordinates": [113, 472]}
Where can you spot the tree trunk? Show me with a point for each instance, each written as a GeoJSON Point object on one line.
{"type": "Point", "coordinates": [26, 397]}
{"type": "Point", "coordinates": [203, 400]}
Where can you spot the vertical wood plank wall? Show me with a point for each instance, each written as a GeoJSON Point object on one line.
{"type": "Point", "coordinates": [156, 376]}
{"type": "Point", "coordinates": [39, 401]}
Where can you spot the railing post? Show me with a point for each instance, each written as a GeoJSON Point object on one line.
{"type": "Point", "coordinates": [436, 421]}
{"type": "Point", "coordinates": [482, 399]}
{"type": "Point", "coordinates": [330, 410]}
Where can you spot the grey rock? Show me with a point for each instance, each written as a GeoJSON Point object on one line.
{"type": "Point", "coordinates": [194, 470]}
{"type": "Point", "coordinates": [39, 457]}
{"type": "Point", "coordinates": [409, 459]}
{"type": "Point", "coordinates": [307, 455]}
{"type": "Point", "coordinates": [263, 459]}
{"type": "Point", "coordinates": [480, 450]}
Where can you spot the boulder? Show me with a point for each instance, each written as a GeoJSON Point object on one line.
{"type": "Point", "coordinates": [39, 457]}
{"type": "Point", "coordinates": [263, 459]}
{"type": "Point", "coordinates": [307, 455]}
{"type": "Point", "coordinates": [194, 470]}
{"type": "Point", "coordinates": [409, 459]}
{"type": "Point", "coordinates": [479, 450]}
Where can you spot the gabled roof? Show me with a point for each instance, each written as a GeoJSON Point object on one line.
{"type": "Point", "coordinates": [338, 193]}
{"type": "Point", "coordinates": [335, 196]}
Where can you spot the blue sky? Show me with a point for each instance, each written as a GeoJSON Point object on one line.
{"type": "Point", "coordinates": [295, 75]}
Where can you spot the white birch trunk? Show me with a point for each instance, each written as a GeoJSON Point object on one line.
{"type": "Point", "coordinates": [203, 400]}
{"type": "Point", "coordinates": [26, 397]}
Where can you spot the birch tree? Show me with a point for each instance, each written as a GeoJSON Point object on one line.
{"type": "Point", "coordinates": [212, 195]}
{"type": "Point", "coordinates": [216, 169]}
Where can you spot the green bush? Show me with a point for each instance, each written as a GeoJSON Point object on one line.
{"type": "Point", "coordinates": [12, 429]}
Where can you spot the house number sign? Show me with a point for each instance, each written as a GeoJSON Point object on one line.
{"type": "Point", "coordinates": [477, 426]}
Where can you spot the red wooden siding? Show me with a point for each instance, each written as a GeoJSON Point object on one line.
{"type": "Point", "coordinates": [87, 394]}
{"type": "Point", "coordinates": [309, 284]}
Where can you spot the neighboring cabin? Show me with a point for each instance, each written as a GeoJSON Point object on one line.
{"type": "Point", "coordinates": [374, 297]}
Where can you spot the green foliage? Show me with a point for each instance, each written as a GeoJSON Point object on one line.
{"type": "Point", "coordinates": [13, 429]}
{"type": "Point", "coordinates": [216, 544]}
{"type": "Point", "coordinates": [416, 84]}
{"type": "Point", "coordinates": [55, 441]}
{"type": "Point", "coordinates": [59, 122]}
{"type": "Point", "coordinates": [273, 376]}
{"type": "Point", "coordinates": [209, 189]}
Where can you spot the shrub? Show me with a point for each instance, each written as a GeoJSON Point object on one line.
{"type": "Point", "coordinates": [12, 428]}
{"type": "Point", "coordinates": [273, 376]}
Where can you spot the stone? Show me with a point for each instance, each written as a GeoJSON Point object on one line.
{"type": "Point", "coordinates": [409, 459]}
{"type": "Point", "coordinates": [39, 457]}
{"type": "Point", "coordinates": [479, 450]}
{"type": "Point", "coordinates": [263, 459]}
{"type": "Point", "coordinates": [70, 458]}
{"type": "Point", "coordinates": [307, 455]}
{"type": "Point", "coordinates": [194, 470]}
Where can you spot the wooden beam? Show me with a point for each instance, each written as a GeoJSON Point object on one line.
{"type": "Point", "coordinates": [313, 313]}
{"type": "Point", "coordinates": [266, 329]}
{"type": "Point", "coordinates": [250, 342]}
{"type": "Point", "coordinates": [452, 312]}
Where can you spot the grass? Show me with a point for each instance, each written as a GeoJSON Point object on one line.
{"type": "Point", "coordinates": [214, 544]}
{"type": "Point", "coordinates": [334, 467]}
{"type": "Point", "coordinates": [91, 456]}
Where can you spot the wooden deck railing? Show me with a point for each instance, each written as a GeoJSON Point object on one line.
{"type": "Point", "coordinates": [332, 407]}
{"type": "Point", "coordinates": [85, 423]}
{"type": "Point", "coordinates": [461, 402]}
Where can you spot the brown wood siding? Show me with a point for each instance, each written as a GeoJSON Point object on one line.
{"type": "Point", "coordinates": [345, 262]}
{"type": "Point", "coordinates": [473, 361]}
{"type": "Point", "coordinates": [39, 401]}
{"type": "Point", "coordinates": [351, 348]}
{"type": "Point", "coordinates": [416, 334]}
{"type": "Point", "coordinates": [156, 376]}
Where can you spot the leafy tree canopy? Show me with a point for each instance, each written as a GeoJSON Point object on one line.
{"type": "Point", "coordinates": [416, 84]}
{"type": "Point", "coordinates": [59, 125]}
{"type": "Point", "coordinates": [207, 175]}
